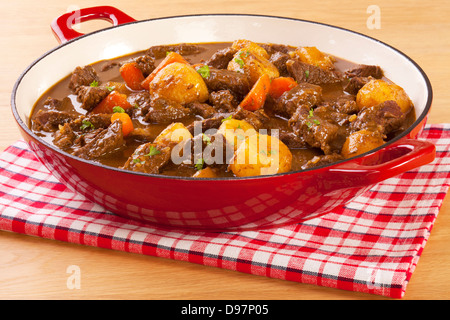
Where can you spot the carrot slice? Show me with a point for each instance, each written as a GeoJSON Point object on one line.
{"type": "Point", "coordinates": [114, 99]}
{"type": "Point", "coordinates": [255, 99]}
{"type": "Point", "coordinates": [127, 123]}
{"type": "Point", "coordinates": [170, 58]}
{"type": "Point", "coordinates": [280, 85]}
{"type": "Point", "coordinates": [132, 75]}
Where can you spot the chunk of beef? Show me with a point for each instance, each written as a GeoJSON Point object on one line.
{"type": "Point", "coordinates": [223, 101]}
{"type": "Point", "coordinates": [258, 119]}
{"type": "Point", "coordinates": [90, 97]}
{"type": "Point", "coordinates": [304, 72]}
{"type": "Point", "coordinates": [83, 76]}
{"type": "Point", "coordinates": [148, 158]}
{"type": "Point", "coordinates": [207, 124]}
{"type": "Point", "coordinates": [146, 64]}
{"type": "Point", "coordinates": [386, 117]}
{"type": "Point", "coordinates": [343, 104]}
{"type": "Point", "coordinates": [279, 60]}
{"type": "Point", "coordinates": [305, 94]}
{"type": "Point", "coordinates": [211, 150]}
{"type": "Point", "coordinates": [356, 83]}
{"type": "Point", "coordinates": [201, 109]}
{"type": "Point", "coordinates": [222, 79]}
{"type": "Point", "coordinates": [272, 48]}
{"type": "Point", "coordinates": [164, 111]}
{"type": "Point", "coordinates": [50, 120]}
{"type": "Point", "coordinates": [221, 58]}
{"type": "Point", "coordinates": [318, 132]}
{"type": "Point", "coordinates": [291, 140]}
{"type": "Point", "coordinates": [159, 52]}
{"type": "Point", "coordinates": [365, 71]}
{"type": "Point", "coordinates": [65, 137]}
{"type": "Point", "coordinates": [102, 142]}
{"type": "Point", "coordinates": [322, 160]}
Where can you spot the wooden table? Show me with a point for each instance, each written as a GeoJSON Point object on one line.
{"type": "Point", "coordinates": [34, 268]}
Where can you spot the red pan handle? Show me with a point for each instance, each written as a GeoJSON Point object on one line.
{"type": "Point", "coordinates": [394, 159]}
{"type": "Point", "coordinates": [62, 26]}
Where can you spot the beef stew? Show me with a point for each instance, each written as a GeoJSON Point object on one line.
{"type": "Point", "coordinates": [222, 110]}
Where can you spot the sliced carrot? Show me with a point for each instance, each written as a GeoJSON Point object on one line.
{"type": "Point", "coordinates": [114, 99]}
{"type": "Point", "coordinates": [127, 123]}
{"type": "Point", "coordinates": [132, 75]}
{"type": "Point", "coordinates": [255, 99]}
{"type": "Point", "coordinates": [280, 85]}
{"type": "Point", "coordinates": [170, 58]}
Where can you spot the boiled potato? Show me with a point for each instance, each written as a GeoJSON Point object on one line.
{"type": "Point", "coordinates": [261, 154]}
{"type": "Point", "coordinates": [360, 142]}
{"type": "Point", "coordinates": [235, 131]}
{"type": "Point", "coordinates": [314, 56]}
{"type": "Point", "coordinates": [253, 65]}
{"type": "Point", "coordinates": [173, 134]}
{"type": "Point", "coordinates": [378, 91]}
{"type": "Point", "coordinates": [205, 173]}
{"type": "Point", "coordinates": [179, 82]}
{"type": "Point", "coordinates": [247, 45]}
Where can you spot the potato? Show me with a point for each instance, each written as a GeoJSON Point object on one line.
{"type": "Point", "coordinates": [253, 65]}
{"type": "Point", "coordinates": [173, 134]}
{"type": "Point", "coordinates": [261, 154]}
{"type": "Point", "coordinates": [205, 173]}
{"type": "Point", "coordinates": [314, 56]}
{"type": "Point", "coordinates": [235, 131]}
{"type": "Point", "coordinates": [247, 45]}
{"type": "Point", "coordinates": [360, 142]}
{"type": "Point", "coordinates": [378, 91]}
{"type": "Point", "coordinates": [179, 82]}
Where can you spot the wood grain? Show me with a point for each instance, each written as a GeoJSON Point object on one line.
{"type": "Point", "coordinates": [34, 268]}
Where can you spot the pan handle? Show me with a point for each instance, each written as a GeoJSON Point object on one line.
{"type": "Point", "coordinates": [62, 26]}
{"type": "Point", "coordinates": [394, 159]}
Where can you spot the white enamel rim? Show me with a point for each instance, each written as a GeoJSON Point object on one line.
{"type": "Point", "coordinates": [128, 38]}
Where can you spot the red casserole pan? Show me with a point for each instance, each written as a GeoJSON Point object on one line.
{"type": "Point", "coordinates": [223, 203]}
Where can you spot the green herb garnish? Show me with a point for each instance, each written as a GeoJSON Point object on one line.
{"type": "Point", "coordinates": [199, 164]}
{"type": "Point", "coordinates": [227, 118]}
{"type": "Point", "coordinates": [204, 71]}
{"type": "Point", "coordinates": [86, 124]}
{"type": "Point", "coordinates": [110, 88]}
{"type": "Point", "coordinates": [94, 83]}
{"type": "Point", "coordinates": [153, 151]}
{"type": "Point", "coordinates": [316, 121]}
{"type": "Point", "coordinates": [306, 74]}
{"type": "Point", "coordinates": [118, 109]}
{"type": "Point", "coordinates": [206, 139]}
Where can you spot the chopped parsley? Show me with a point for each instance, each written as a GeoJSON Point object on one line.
{"type": "Point", "coordinates": [110, 88]}
{"type": "Point", "coordinates": [306, 74]}
{"type": "Point", "coordinates": [94, 83]}
{"type": "Point", "coordinates": [206, 139]}
{"type": "Point", "coordinates": [118, 109]}
{"type": "Point", "coordinates": [199, 164]}
{"type": "Point", "coordinates": [153, 151]}
{"type": "Point", "coordinates": [86, 124]}
{"type": "Point", "coordinates": [204, 71]}
{"type": "Point", "coordinates": [227, 118]}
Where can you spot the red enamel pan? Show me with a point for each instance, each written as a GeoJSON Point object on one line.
{"type": "Point", "coordinates": [223, 203]}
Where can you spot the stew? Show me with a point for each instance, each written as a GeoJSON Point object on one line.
{"type": "Point", "coordinates": [222, 110]}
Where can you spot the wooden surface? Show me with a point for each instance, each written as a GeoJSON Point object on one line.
{"type": "Point", "coordinates": [34, 268]}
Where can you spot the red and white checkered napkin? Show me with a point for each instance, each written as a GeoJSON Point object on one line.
{"type": "Point", "coordinates": [371, 245]}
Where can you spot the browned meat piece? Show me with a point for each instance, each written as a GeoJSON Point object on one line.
{"type": "Point", "coordinates": [318, 132]}
{"type": "Point", "coordinates": [343, 104]}
{"type": "Point", "coordinates": [365, 71]}
{"type": "Point", "coordinates": [64, 137]}
{"type": "Point", "coordinates": [203, 110]}
{"type": "Point", "coordinates": [304, 72]}
{"type": "Point", "coordinates": [356, 83]}
{"type": "Point", "coordinates": [148, 158]}
{"type": "Point", "coordinates": [50, 120]}
{"type": "Point", "coordinates": [208, 124]}
{"type": "Point", "coordinates": [101, 142]}
{"type": "Point", "coordinates": [221, 58]}
{"type": "Point", "coordinates": [163, 111]}
{"type": "Point", "coordinates": [322, 160]}
{"type": "Point", "coordinates": [159, 52]}
{"type": "Point", "coordinates": [385, 118]}
{"type": "Point", "coordinates": [146, 64]}
{"type": "Point", "coordinates": [222, 79]}
{"type": "Point", "coordinates": [305, 94]}
{"type": "Point", "coordinates": [223, 101]}
{"type": "Point", "coordinates": [272, 48]}
{"type": "Point", "coordinates": [279, 59]}
{"type": "Point", "coordinates": [258, 119]}
{"type": "Point", "coordinates": [291, 140]}
{"type": "Point", "coordinates": [83, 76]}
{"type": "Point", "coordinates": [90, 97]}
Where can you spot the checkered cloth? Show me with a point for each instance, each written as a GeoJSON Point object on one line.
{"type": "Point", "coordinates": [371, 245]}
